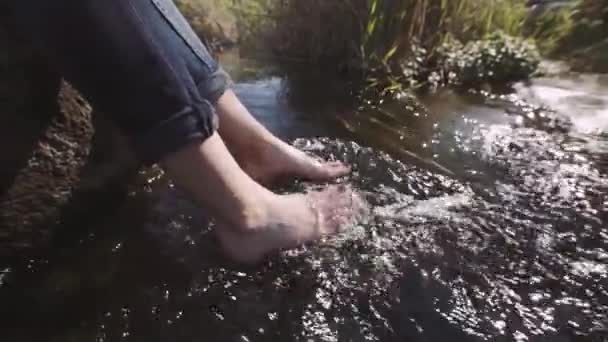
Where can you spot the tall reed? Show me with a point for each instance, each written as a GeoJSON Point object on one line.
{"type": "Point", "coordinates": [394, 26]}
{"type": "Point", "coordinates": [364, 33]}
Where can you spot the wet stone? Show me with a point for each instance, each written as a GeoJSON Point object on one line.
{"type": "Point", "coordinates": [56, 156]}
{"type": "Point", "coordinates": [516, 253]}
{"type": "Point", "coordinates": [446, 263]}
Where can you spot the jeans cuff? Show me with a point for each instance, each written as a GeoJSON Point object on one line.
{"type": "Point", "coordinates": [214, 86]}
{"type": "Point", "coordinates": [194, 123]}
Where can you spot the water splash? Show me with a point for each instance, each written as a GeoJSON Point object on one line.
{"type": "Point", "coordinates": [517, 253]}
{"type": "Point", "coordinates": [437, 259]}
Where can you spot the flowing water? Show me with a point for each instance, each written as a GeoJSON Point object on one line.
{"type": "Point", "coordinates": [488, 222]}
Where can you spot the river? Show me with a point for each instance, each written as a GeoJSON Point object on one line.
{"type": "Point", "coordinates": [489, 222]}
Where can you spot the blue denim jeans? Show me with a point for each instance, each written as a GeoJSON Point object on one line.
{"type": "Point", "coordinates": [137, 61]}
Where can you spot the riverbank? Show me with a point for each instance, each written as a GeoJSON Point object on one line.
{"type": "Point", "coordinates": [574, 31]}
{"type": "Point", "coordinates": [488, 224]}
{"type": "Point", "coordinates": [385, 46]}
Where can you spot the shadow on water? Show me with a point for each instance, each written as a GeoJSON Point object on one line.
{"type": "Point", "coordinates": [488, 223]}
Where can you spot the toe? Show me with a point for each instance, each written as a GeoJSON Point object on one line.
{"type": "Point", "coordinates": [337, 169]}
{"type": "Point", "coordinates": [328, 171]}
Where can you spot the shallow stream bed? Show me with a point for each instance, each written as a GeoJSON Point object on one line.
{"type": "Point", "coordinates": [489, 222]}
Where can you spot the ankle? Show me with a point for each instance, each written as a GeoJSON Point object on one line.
{"type": "Point", "coordinates": [254, 215]}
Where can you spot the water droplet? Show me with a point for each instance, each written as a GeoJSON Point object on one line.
{"type": "Point", "coordinates": [117, 247]}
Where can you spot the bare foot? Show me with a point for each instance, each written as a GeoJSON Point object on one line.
{"type": "Point", "coordinates": [267, 161]}
{"type": "Point", "coordinates": [291, 221]}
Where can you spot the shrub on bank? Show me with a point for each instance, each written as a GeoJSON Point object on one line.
{"type": "Point", "coordinates": [395, 44]}
{"type": "Point", "coordinates": [211, 20]}
{"type": "Point", "coordinates": [497, 59]}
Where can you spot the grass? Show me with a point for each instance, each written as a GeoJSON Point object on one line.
{"type": "Point", "coordinates": [383, 30]}
{"type": "Point", "coordinates": [392, 45]}
{"type": "Point", "coordinates": [387, 45]}
{"type": "Point", "coordinates": [393, 27]}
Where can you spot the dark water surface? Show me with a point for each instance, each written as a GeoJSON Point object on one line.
{"type": "Point", "coordinates": [489, 223]}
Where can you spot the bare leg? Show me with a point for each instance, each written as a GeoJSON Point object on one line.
{"type": "Point", "coordinates": [261, 154]}
{"type": "Point", "coordinates": [253, 221]}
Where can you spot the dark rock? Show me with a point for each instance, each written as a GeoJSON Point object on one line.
{"type": "Point", "coordinates": [54, 156]}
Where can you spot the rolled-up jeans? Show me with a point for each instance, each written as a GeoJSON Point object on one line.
{"type": "Point", "coordinates": [138, 61]}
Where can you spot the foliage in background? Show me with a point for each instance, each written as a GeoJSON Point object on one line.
{"type": "Point", "coordinates": [212, 20]}
{"type": "Point", "coordinates": [320, 33]}
{"type": "Point", "coordinates": [549, 27]}
{"type": "Point", "coordinates": [591, 18]}
{"type": "Point", "coordinates": [586, 43]}
{"type": "Point", "coordinates": [393, 26]}
{"type": "Point", "coordinates": [499, 58]}
{"type": "Point", "coordinates": [393, 44]}
{"type": "Point", "coordinates": [390, 45]}
{"type": "Point", "coordinates": [222, 22]}
{"type": "Point", "coordinates": [253, 17]}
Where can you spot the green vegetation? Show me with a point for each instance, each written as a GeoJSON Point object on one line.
{"type": "Point", "coordinates": [586, 43]}
{"type": "Point", "coordinates": [498, 58]}
{"type": "Point", "coordinates": [212, 20]}
{"type": "Point", "coordinates": [550, 27]}
{"type": "Point", "coordinates": [391, 45]}
{"type": "Point", "coordinates": [227, 21]}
